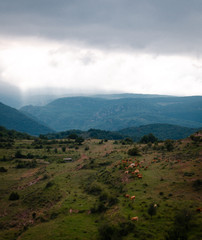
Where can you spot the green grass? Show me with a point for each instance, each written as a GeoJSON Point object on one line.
{"type": "Point", "coordinates": [51, 190]}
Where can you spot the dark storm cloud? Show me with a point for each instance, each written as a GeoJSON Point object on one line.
{"type": "Point", "coordinates": [161, 26]}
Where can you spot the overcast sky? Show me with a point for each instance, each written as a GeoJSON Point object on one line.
{"type": "Point", "coordinates": [97, 46]}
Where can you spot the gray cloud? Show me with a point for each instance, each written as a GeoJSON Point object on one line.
{"type": "Point", "coordinates": [161, 26]}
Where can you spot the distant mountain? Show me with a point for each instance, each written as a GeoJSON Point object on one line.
{"type": "Point", "coordinates": [114, 114]}
{"type": "Point", "coordinates": [13, 119]}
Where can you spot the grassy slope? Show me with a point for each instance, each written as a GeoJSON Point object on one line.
{"type": "Point", "coordinates": [78, 186]}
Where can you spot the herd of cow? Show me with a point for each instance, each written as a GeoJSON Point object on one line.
{"type": "Point", "coordinates": [131, 167]}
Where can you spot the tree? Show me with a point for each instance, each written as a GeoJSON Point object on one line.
{"type": "Point", "coordinates": [169, 144]}
{"type": "Point", "coordinates": [150, 138]}
{"type": "Point", "coordinates": [134, 151]}
{"type": "Point", "coordinates": [18, 154]}
{"type": "Point", "coordinates": [73, 136]}
{"type": "Point", "coordinates": [79, 140]}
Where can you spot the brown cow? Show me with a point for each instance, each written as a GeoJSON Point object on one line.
{"type": "Point", "coordinates": [132, 198]}
{"type": "Point", "coordinates": [127, 195]}
{"type": "Point", "coordinates": [134, 219]}
{"type": "Point", "coordinates": [139, 175]}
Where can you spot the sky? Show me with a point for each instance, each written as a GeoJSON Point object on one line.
{"type": "Point", "coordinates": [101, 46]}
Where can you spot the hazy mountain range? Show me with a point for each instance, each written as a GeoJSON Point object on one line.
{"type": "Point", "coordinates": [114, 114]}
{"type": "Point", "coordinates": [121, 115]}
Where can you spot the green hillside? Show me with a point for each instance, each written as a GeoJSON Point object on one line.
{"type": "Point", "coordinates": [98, 190]}
{"type": "Point", "coordinates": [13, 119]}
{"type": "Point", "coordinates": [114, 114]}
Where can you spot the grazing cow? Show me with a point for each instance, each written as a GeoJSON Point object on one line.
{"type": "Point", "coordinates": [139, 175]}
{"type": "Point", "coordinates": [132, 165]}
{"type": "Point", "coordinates": [132, 198]}
{"type": "Point", "coordinates": [134, 219]}
{"type": "Point", "coordinates": [127, 195]}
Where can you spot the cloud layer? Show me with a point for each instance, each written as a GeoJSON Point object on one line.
{"type": "Point", "coordinates": [159, 26]}
{"type": "Point", "coordinates": [102, 46]}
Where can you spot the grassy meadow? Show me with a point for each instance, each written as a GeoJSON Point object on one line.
{"type": "Point", "coordinates": [45, 198]}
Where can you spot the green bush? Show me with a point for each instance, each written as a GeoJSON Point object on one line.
{"type": "Point", "coordinates": [2, 169]}
{"type": "Point", "coordinates": [18, 154]}
{"type": "Point", "coordinates": [181, 226]}
{"type": "Point", "coordinates": [134, 151]}
{"type": "Point", "coordinates": [197, 184]}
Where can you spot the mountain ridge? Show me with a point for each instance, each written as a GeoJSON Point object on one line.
{"type": "Point", "coordinates": [114, 114]}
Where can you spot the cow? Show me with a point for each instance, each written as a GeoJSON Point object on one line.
{"type": "Point", "coordinates": [126, 172]}
{"type": "Point", "coordinates": [139, 175]}
{"type": "Point", "coordinates": [137, 171]}
{"type": "Point", "coordinates": [132, 198]}
{"type": "Point", "coordinates": [127, 195]}
{"type": "Point", "coordinates": [134, 219]}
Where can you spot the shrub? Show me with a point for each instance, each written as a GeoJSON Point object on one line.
{"type": "Point", "coordinates": [94, 189]}
{"type": "Point", "coordinates": [106, 231]}
{"type": "Point", "coordinates": [181, 227]}
{"type": "Point", "coordinates": [49, 184]}
{"type": "Point", "coordinates": [14, 196]}
{"type": "Point", "coordinates": [27, 164]}
{"type": "Point", "coordinates": [150, 138]}
{"type": "Point", "coordinates": [2, 169]}
{"type": "Point", "coordinates": [18, 154]}
{"type": "Point", "coordinates": [134, 151]}
{"type": "Point", "coordinates": [197, 184]}
{"type": "Point", "coordinates": [169, 145]}
{"type": "Point", "coordinates": [86, 148]}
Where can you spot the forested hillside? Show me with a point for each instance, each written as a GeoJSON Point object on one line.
{"type": "Point", "coordinates": [14, 119]}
